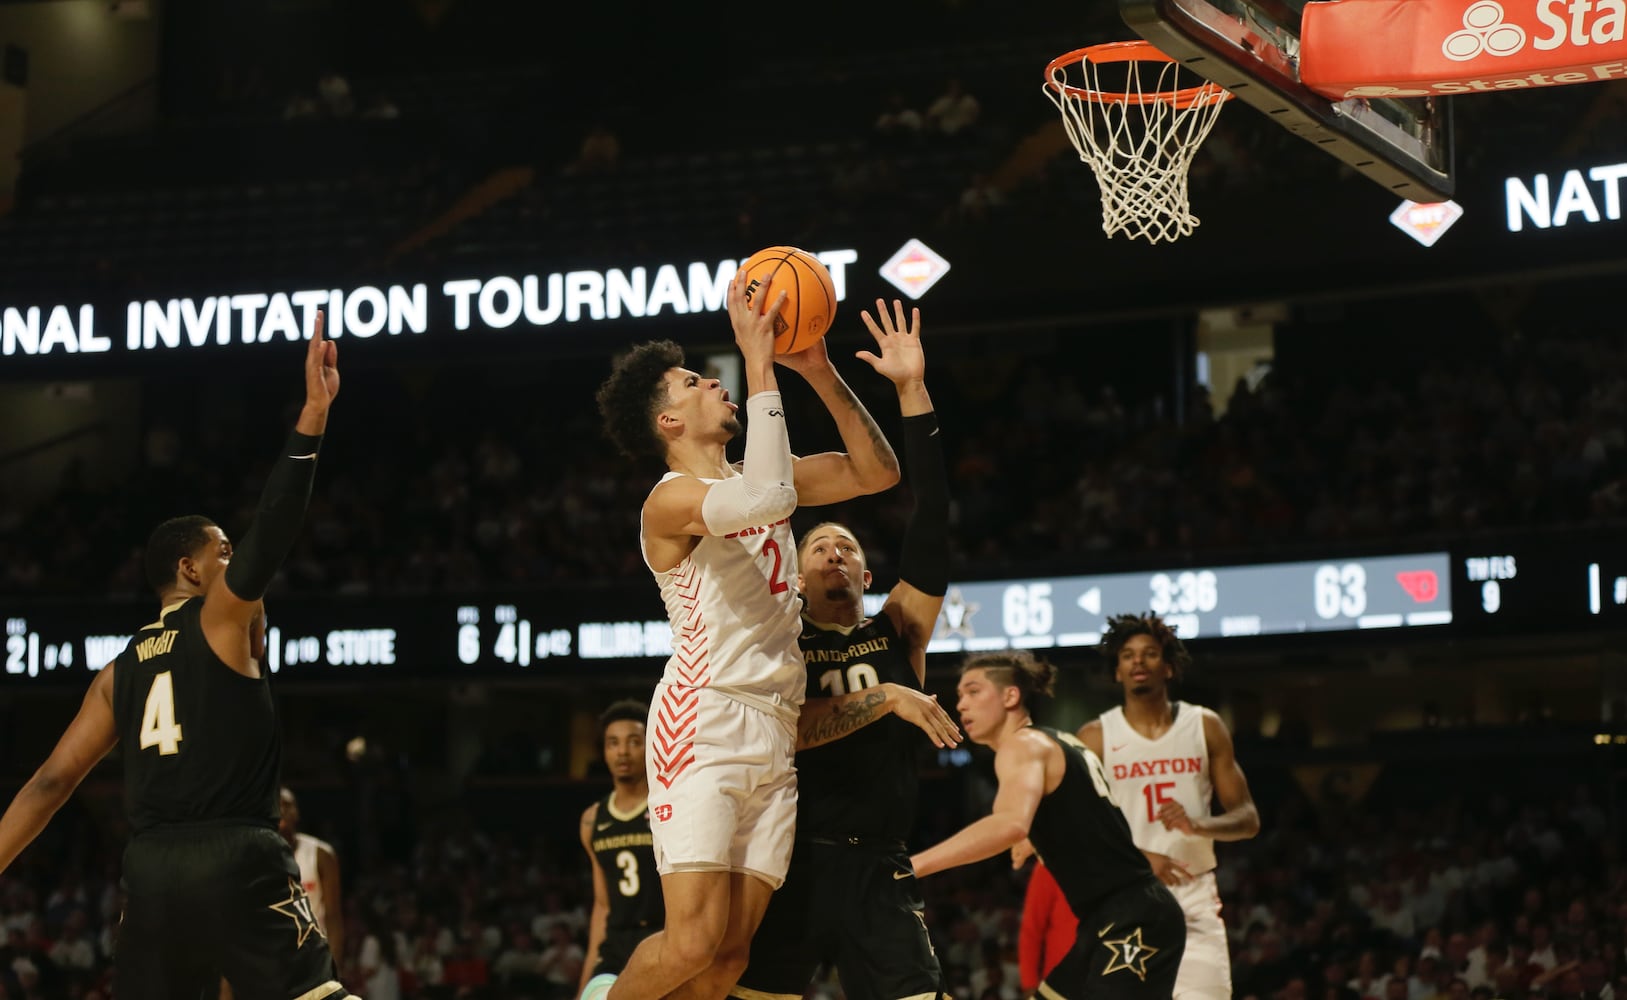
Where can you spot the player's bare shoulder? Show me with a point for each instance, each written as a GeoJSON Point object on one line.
{"type": "Point", "coordinates": [1090, 734]}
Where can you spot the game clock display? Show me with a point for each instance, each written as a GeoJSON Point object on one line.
{"type": "Point", "coordinates": [1573, 581]}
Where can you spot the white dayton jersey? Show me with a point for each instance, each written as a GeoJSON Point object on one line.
{"type": "Point", "coordinates": [1145, 774]}
{"type": "Point", "coordinates": [305, 848]}
{"type": "Point", "coordinates": [736, 616]}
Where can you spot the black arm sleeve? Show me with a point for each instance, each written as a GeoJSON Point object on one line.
{"type": "Point", "coordinates": [282, 508]}
{"type": "Point", "coordinates": [924, 564]}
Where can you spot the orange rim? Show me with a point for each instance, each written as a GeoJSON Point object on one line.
{"type": "Point", "coordinates": [1129, 52]}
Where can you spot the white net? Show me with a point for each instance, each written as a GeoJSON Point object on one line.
{"type": "Point", "coordinates": [1139, 140]}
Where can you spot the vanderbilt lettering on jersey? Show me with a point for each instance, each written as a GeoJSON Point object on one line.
{"type": "Point", "coordinates": [623, 840]}
{"type": "Point", "coordinates": [851, 652]}
{"type": "Point", "coordinates": [625, 853]}
{"type": "Point", "coordinates": [201, 740]}
{"type": "Point", "coordinates": [864, 784]}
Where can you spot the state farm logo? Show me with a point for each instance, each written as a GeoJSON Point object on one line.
{"type": "Point", "coordinates": [1484, 30]}
{"type": "Point", "coordinates": [1487, 30]}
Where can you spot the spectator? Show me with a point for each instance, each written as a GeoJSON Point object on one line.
{"type": "Point", "coordinates": [953, 112]}
{"type": "Point", "coordinates": [897, 120]}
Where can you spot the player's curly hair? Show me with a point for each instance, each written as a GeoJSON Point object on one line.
{"type": "Point", "coordinates": [1020, 669]}
{"type": "Point", "coordinates": [625, 710]}
{"type": "Point", "coordinates": [170, 542]}
{"type": "Point", "coordinates": [634, 393]}
{"type": "Point", "coordinates": [1121, 628]}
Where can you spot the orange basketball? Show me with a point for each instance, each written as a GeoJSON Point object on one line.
{"type": "Point", "coordinates": [810, 295]}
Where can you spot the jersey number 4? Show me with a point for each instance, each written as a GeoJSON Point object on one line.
{"type": "Point", "coordinates": [158, 726]}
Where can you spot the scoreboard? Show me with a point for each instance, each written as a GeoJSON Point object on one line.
{"type": "Point", "coordinates": [1483, 587]}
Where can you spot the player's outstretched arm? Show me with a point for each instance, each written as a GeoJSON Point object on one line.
{"type": "Point", "coordinates": [87, 740]}
{"type": "Point", "coordinates": [923, 568]}
{"type": "Point", "coordinates": [233, 601]}
{"type": "Point", "coordinates": [1241, 820]}
{"type": "Point", "coordinates": [868, 465]}
{"type": "Point", "coordinates": [823, 720]}
{"type": "Point", "coordinates": [1019, 767]}
{"type": "Point", "coordinates": [599, 917]}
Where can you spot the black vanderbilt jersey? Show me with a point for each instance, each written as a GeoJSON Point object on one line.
{"type": "Point", "coordinates": [1080, 833]}
{"type": "Point", "coordinates": [200, 741]}
{"type": "Point", "coordinates": [624, 853]}
{"type": "Point", "coordinates": [864, 784]}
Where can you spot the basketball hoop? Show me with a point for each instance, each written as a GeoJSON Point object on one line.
{"type": "Point", "coordinates": [1139, 140]}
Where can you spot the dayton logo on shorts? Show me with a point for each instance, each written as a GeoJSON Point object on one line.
{"type": "Point", "coordinates": [663, 812]}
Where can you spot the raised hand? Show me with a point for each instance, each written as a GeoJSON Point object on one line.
{"type": "Point", "coordinates": [901, 359]}
{"type": "Point", "coordinates": [810, 359]}
{"type": "Point", "coordinates": [753, 324]}
{"type": "Point", "coordinates": [321, 368]}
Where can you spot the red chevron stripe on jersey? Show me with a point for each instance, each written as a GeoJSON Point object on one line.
{"type": "Point", "coordinates": [672, 745]}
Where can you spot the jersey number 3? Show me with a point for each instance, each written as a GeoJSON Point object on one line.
{"type": "Point", "coordinates": [628, 884]}
{"type": "Point", "coordinates": [158, 726]}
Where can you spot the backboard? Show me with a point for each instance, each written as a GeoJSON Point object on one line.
{"type": "Point", "coordinates": [1251, 47]}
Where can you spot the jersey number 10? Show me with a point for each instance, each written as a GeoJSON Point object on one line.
{"type": "Point", "coordinates": [858, 677]}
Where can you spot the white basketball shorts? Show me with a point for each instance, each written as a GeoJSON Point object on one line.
{"type": "Point", "coordinates": [1206, 966]}
{"type": "Point", "coordinates": [723, 784]}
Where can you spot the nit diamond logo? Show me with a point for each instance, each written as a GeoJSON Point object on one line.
{"type": "Point", "coordinates": [914, 269]}
{"type": "Point", "coordinates": [1426, 223]}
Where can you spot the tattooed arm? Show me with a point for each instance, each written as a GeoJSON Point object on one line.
{"type": "Point", "coordinates": [826, 719]}
{"type": "Point", "coordinates": [867, 466]}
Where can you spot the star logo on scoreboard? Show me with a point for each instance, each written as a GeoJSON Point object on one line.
{"type": "Point", "coordinates": [956, 616]}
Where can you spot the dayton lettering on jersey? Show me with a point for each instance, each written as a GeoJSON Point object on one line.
{"type": "Point", "coordinates": [761, 529]}
{"type": "Point", "coordinates": [156, 645]}
{"type": "Point", "coordinates": [620, 841]}
{"type": "Point", "coordinates": [1154, 768]}
{"type": "Point", "coordinates": [1419, 48]}
{"type": "Point", "coordinates": [843, 655]}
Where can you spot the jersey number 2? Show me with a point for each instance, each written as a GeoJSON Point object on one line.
{"type": "Point", "coordinates": [776, 576]}
{"type": "Point", "coordinates": [158, 726]}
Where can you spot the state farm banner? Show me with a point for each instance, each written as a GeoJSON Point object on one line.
{"type": "Point", "coordinates": [1420, 48]}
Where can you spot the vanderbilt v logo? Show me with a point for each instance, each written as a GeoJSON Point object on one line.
{"type": "Point", "coordinates": [1128, 952]}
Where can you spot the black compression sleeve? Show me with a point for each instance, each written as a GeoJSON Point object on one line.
{"type": "Point", "coordinates": [924, 564]}
{"type": "Point", "coordinates": [282, 508]}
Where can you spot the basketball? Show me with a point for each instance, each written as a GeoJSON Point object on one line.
{"type": "Point", "coordinates": [810, 295]}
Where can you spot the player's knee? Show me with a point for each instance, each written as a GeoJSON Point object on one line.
{"type": "Point", "coordinates": [694, 945]}
{"type": "Point", "coordinates": [730, 960]}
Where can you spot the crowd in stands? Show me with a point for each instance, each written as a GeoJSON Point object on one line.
{"type": "Point", "coordinates": [462, 478]}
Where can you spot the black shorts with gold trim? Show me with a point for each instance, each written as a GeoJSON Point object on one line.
{"type": "Point", "coordinates": [210, 901]}
{"type": "Point", "coordinates": [1128, 947]}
